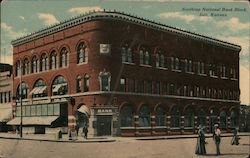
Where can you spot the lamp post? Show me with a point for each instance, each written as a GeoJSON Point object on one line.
{"type": "Point", "coordinates": [21, 105]}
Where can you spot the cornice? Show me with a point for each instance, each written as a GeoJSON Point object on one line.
{"type": "Point", "coordinates": [115, 15]}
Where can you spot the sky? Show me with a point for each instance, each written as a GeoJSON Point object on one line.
{"type": "Point", "coordinates": [231, 23]}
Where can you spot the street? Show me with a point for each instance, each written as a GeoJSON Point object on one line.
{"type": "Point", "coordinates": [122, 148]}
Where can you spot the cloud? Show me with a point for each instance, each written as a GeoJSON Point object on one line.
{"type": "Point", "coordinates": [10, 32]}
{"type": "Point", "coordinates": [233, 24]}
{"type": "Point", "coordinates": [81, 10]}
{"type": "Point", "coordinates": [22, 17]}
{"type": "Point", "coordinates": [48, 19]}
{"type": "Point", "coordinates": [188, 18]}
{"type": "Point", "coordinates": [244, 85]}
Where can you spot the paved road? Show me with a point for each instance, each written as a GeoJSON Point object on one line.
{"type": "Point", "coordinates": [122, 148]}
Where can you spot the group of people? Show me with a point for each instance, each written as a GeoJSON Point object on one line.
{"type": "Point", "coordinates": [201, 140]}
{"type": "Point", "coordinates": [84, 130]}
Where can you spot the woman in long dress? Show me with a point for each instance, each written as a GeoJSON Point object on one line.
{"type": "Point", "coordinates": [200, 146]}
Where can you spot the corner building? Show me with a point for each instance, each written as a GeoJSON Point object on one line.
{"type": "Point", "coordinates": [124, 75]}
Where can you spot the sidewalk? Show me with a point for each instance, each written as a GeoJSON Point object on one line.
{"type": "Point", "coordinates": [80, 139]}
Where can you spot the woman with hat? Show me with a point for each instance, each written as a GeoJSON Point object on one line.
{"type": "Point", "coordinates": [200, 146]}
{"type": "Point", "coordinates": [217, 139]}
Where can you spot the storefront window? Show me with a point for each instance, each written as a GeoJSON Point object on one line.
{"type": "Point", "coordinates": [50, 109]}
{"type": "Point", "coordinates": [126, 117]}
{"type": "Point", "coordinates": [27, 110]}
{"type": "Point", "coordinates": [160, 116]}
{"type": "Point", "coordinates": [175, 118]}
{"type": "Point", "coordinates": [188, 122]}
{"type": "Point", "coordinates": [38, 110]}
{"type": "Point", "coordinates": [33, 110]}
{"type": "Point", "coordinates": [44, 110]}
{"type": "Point", "coordinates": [144, 117]}
{"type": "Point", "coordinates": [56, 109]}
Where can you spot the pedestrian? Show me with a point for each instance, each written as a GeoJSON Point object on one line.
{"type": "Point", "coordinates": [85, 131]}
{"type": "Point", "coordinates": [201, 141]}
{"type": "Point", "coordinates": [77, 128]}
{"type": "Point", "coordinates": [235, 139]}
{"type": "Point", "coordinates": [217, 138]}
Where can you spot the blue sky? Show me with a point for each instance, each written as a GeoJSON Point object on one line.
{"type": "Point", "coordinates": [21, 17]}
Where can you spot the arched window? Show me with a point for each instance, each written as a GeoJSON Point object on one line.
{"type": "Point", "coordinates": [202, 68]}
{"type": "Point", "coordinates": [175, 118]}
{"type": "Point", "coordinates": [141, 57]}
{"type": "Point", "coordinates": [177, 64]}
{"type": "Point", "coordinates": [64, 57]}
{"type": "Point", "coordinates": [105, 78]}
{"type": "Point", "coordinates": [162, 59]}
{"type": "Point", "coordinates": [35, 65]}
{"type": "Point", "coordinates": [82, 53]}
{"type": "Point", "coordinates": [127, 116]}
{"type": "Point", "coordinates": [160, 116]}
{"type": "Point", "coordinates": [26, 67]}
{"type": "Point", "coordinates": [39, 89]}
{"type": "Point", "coordinates": [234, 119]}
{"type": "Point", "coordinates": [223, 120]}
{"type": "Point", "coordinates": [53, 60]}
{"type": "Point", "coordinates": [202, 118]}
{"type": "Point", "coordinates": [123, 53]}
{"type": "Point", "coordinates": [59, 86]}
{"type": "Point", "coordinates": [144, 117]}
{"type": "Point", "coordinates": [171, 89]}
{"type": "Point", "coordinates": [157, 60]}
{"type": "Point", "coordinates": [146, 58]}
{"type": "Point", "coordinates": [78, 84]}
{"type": "Point", "coordinates": [25, 91]}
{"type": "Point", "coordinates": [18, 68]}
{"type": "Point", "coordinates": [127, 53]}
{"type": "Point", "coordinates": [44, 62]}
{"type": "Point", "coordinates": [189, 118]}
{"type": "Point", "coordinates": [86, 82]}
{"type": "Point", "coordinates": [190, 66]}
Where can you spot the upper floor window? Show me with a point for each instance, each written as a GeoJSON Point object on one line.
{"type": "Point", "coordinates": [233, 73]}
{"type": "Point", "coordinates": [35, 65]}
{"type": "Point", "coordinates": [105, 78]}
{"type": "Point", "coordinates": [44, 62]}
{"type": "Point", "coordinates": [26, 67]}
{"type": "Point", "coordinates": [157, 89]}
{"type": "Point", "coordinates": [86, 82]}
{"type": "Point", "coordinates": [59, 86]}
{"type": "Point", "coordinates": [164, 88]}
{"type": "Point", "coordinates": [223, 73]}
{"type": "Point", "coordinates": [18, 68]}
{"type": "Point", "coordinates": [202, 68]}
{"type": "Point", "coordinates": [39, 89]}
{"type": "Point", "coordinates": [144, 57]}
{"type": "Point", "coordinates": [122, 84]}
{"type": "Point", "coordinates": [131, 85]}
{"type": "Point", "coordinates": [190, 66]}
{"type": "Point", "coordinates": [64, 57]}
{"type": "Point", "coordinates": [149, 86]}
{"type": "Point", "coordinates": [82, 53]}
{"type": "Point", "coordinates": [127, 55]}
{"type": "Point", "coordinates": [175, 63]}
{"type": "Point", "coordinates": [160, 60]}
{"type": "Point", "coordinates": [78, 84]}
{"type": "Point", "coordinates": [22, 91]}
{"type": "Point", "coordinates": [53, 60]}
{"type": "Point", "coordinates": [212, 69]}
{"type": "Point", "coordinates": [140, 86]}
{"type": "Point", "coordinates": [171, 89]}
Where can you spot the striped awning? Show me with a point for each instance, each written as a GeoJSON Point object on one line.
{"type": "Point", "coordinates": [42, 120]}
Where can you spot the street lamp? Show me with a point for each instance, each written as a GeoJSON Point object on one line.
{"type": "Point", "coordinates": [20, 96]}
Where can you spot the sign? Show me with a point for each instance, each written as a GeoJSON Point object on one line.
{"type": "Point", "coordinates": [105, 48]}
{"type": "Point", "coordinates": [104, 111]}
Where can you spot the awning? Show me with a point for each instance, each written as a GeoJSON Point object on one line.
{"type": "Point", "coordinates": [84, 109]}
{"type": "Point", "coordinates": [5, 114]}
{"type": "Point", "coordinates": [33, 90]}
{"type": "Point", "coordinates": [42, 89]}
{"type": "Point", "coordinates": [43, 120]}
{"type": "Point", "coordinates": [58, 86]}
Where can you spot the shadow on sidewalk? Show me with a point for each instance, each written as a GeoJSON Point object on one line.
{"type": "Point", "coordinates": [225, 154]}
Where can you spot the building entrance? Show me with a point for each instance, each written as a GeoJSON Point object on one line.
{"type": "Point", "coordinates": [104, 125]}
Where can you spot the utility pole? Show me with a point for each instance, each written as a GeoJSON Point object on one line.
{"type": "Point", "coordinates": [21, 95]}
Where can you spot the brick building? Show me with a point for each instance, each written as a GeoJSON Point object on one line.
{"type": "Point", "coordinates": [125, 75]}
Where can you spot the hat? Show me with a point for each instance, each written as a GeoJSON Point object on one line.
{"type": "Point", "coordinates": [216, 125]}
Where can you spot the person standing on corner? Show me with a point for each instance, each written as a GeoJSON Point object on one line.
{"type": "Point", "coordinates": [217, 138]}
{"type": "Point", "coordinates": [200, 146]}
{"type": "Point", "coordinates": [235, 139]}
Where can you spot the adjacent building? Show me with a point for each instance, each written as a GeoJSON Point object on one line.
{"type": "Point", "coordinates": [6, 87]}
{"type": "Point", "coordinates": [124, 75]}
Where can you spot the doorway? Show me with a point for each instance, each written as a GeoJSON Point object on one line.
{"type": "Point", "coordinates": [104, 125]}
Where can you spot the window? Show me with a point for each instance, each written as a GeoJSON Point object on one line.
{"type": "Point", "coordinates": [191, 91]}
{"type": "Point", "coordinates": [202, 118]}
{"type": "Point", "coordinates": [40, 89]}
{"type": "Point", "coordinates": [105, 78]}
{"type": "Point", "coordinates": [175, 118]}
{"type": "Point", "coordinates": [82, 53]}
{"type": "Point", "coordinates": [190, 66]}
{"type": "Point", "coordinates": [223, 120]}
{"type": "Point", "coordinates": [160, 116]}
{"type": "Point", "coordinates": [164, 88]}
{"type": "Point", "coordinates": [198, 91]}
{"type": "Point", "coordinates": [160, 61]}
{"type": "Point", "coordinates": [177, 64]}
{"type": "Point", "coordinates": [234, 119]}
{"type": "Point", "coordinates": [233, 73]}
{"type": "Point", "coordinates": [140, 86]}
{"type": "Point", "coordinates": [144, 57]}
{"type": "Point", "coordinates": [144, 117]}
{"type": "Point", "coordinates": [26, 67]}
{"type": "Point", "coordinates": [18, 68]}
{"type": "Point", "coordinates": [171, 89]}
{"type": "Point", "coordinates": [185, 90]}
{"type": "Point", "coordinates": [44, 62]}
{"type": "Point", "coordinates": [131, 85]}
{"type": "Point", "coordinates": [149, 87]}
{"type": "Point", "coordinates": [204, 90]}
{"type": "Point", "coordinates": [86, 83]}
{"type": "Point", "coordinates": [35, 66]}
{"type": "Point", "coordinates": [127, 54]}
{"type": "Point", "coordinates": [179, 90]}
{"type": "Point", "coordinates": [122, 85]}
{"type": "Point", "coordinates": [64, 57]}
{"type": "Point", "coordinates": [25, 91]}
{"type": "Point", "coordinates": [59, 86]}
{"type": "Point", "coordinates": [223, 71]}
{"type": "Point", "coordinates": [202, 67]}
{"type": "Point", "coordinates": [157, 89]}
{"type": "Point", "coordinates": [78, 84]}
{"type": "Point", "coordinates": [188, 118]}
{"type": "Point", "coordinates": [126, 116]}
{"type": "Point", "coordinates": [53, 60]}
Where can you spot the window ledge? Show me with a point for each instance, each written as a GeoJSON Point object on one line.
{"type": "Point", "coordinates": [190, 72]}
{"type": "Point", "coordinates": [127, 127]}
{"type": "Point", "coordinates": [83, 63]}
{"type": "Point", "coordinates": [128, 63]}
{"type": "Point", "coordinates": [214, 76]}
{"type": "Point", "coordinates": [145, 65]}
{"type": "Point", "coordinates": [174, 70]}
{"type": "Point", "coordinates": [203, 74]}
{"type": "Point", "coordinates": [144, 127]}
{"type": "Point", "coordinates": [162, 68]}
{"type": "Point", "coordinates": [188, 127]}
{"type": "Point", "coordinates": [173, 128]}
{"type": "Point", "coordinates": [160, 127]}
{"type": "Point", "coordinates": [234, 79]}
{"type": "Point", "coordinates": [224, 78]}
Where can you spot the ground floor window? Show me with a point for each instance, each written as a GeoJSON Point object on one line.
{"type": "Point", "coordinates": [126, 117]}
{"type": "Point", "coordinates": [160, 116]}
{"type": "Point", "coordinates": [202, 118]}
{"type": "Point", "coordinates": [223, 120]}
{"type": "Point", "coordinates": [188, 118]}
{"type": "Point", "coordinates": [175, 118]}
{"type": "Point", "coordinates": [144, 117]}
{"type": "Point", "coordinates": [234, 119]}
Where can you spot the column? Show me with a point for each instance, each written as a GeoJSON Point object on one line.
{"type": "Point", "coordinates": [136, 121]}
{"type": "Point", "coordinates": [182, 124]}
{"type": "Point", "coordinates": [208, 126]}
{"type": "Point", "coordinates": [195, 124]}
{"type": "Point", "coordinates": [168, 124]}
{"type": "Point", "coordinates": [153, 124]}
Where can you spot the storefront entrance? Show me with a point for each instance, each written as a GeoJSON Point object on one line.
{"type": "Point", "coordinates": [104, 125]}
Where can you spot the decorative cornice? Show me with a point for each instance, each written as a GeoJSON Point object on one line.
{"type": "Point", "coordinates": [115, 15]}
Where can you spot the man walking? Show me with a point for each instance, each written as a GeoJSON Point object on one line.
{"type": "Point", "coordinates": [217, 138]}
